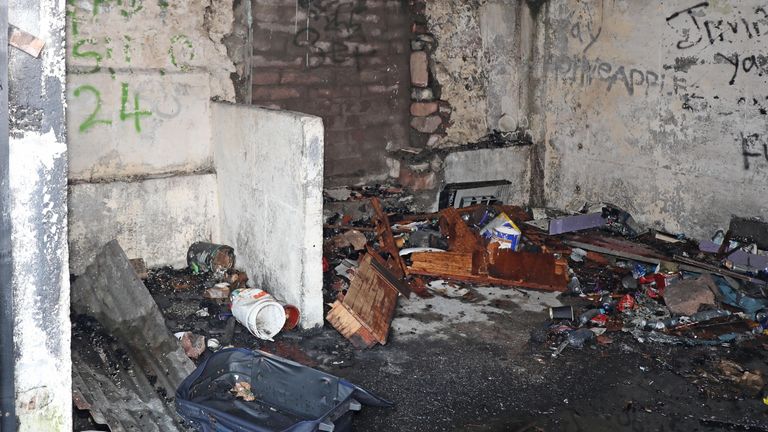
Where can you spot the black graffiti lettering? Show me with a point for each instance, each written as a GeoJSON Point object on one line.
{"type": "Point", "coordinates": [744, 63]}
{"type": "Point", "coordinates": [746, 27]}
{"type": "Point", "coordinates": [748, 142]}
{"type": "Point", "coordinates": [680, 85]}
{"type": "Point", "coordinates": [306, 37]}
{"type": "Point", "coordinates": [752, 60]}
{"type": "Point", "coordinates": [576, 32]}
{"type": "Point", "coordinates": [694, 29]}
{"type": "Point", "coordinates": [338, 52]}
{"type": "Point", "coordinates": [621, 74]}
{"type": "Point", "coordinates": [687, 10]}
{"type": "Point", "coordinates": [687, 42]}
{"type": "Point", "coordinates": [342, 26]}
{"type": "Point", "coordinates": [734, 26]}
{"type": "Point", "coordinates": [604, 70]}
{"type": "Point", "coordinates": [716, 24]}
{"type": "Point", "coordinates": [583, 71]}
{"type": "Point", "coordinates": [586, 72]}
{"type": "Point", "coordinates": [633, 73]}
{"type": "Point", "coordinates": [574, 65]}
{"type": "Point", "coordinates": [563, 66]}
{"type": "Point", "coordinates": [733, 62]}
{"type": "Point", "coordinates": [648, 81]}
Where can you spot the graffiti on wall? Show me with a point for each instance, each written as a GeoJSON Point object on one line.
{"type": "Point", "coordinates": [754, 149]}
{"type": "Point", "coordinates": [334, 33]}
{"type": "Point", "coordinates": [696, 31]}
{"type": "Point", "coordinates": [583, 71]}
{"type": "Point", "coordinates": [91, 53]}
{"type": "Point", "coordinates": [736, 42]}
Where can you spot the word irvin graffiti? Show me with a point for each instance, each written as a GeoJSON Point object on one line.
{"type": "Point", "coordinates": [93, 119]}
{"type": "Point", "coordinates": [584, 72]}
{"type": "Point", "coordinates": [695, 29]}
{"type": "Point", "coordinates": [338, 21]}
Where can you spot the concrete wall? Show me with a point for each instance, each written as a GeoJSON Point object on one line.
{"type": "Point", "coordinates": [510, 163]}
{"type": "Point", "coordinates": [155, 219]}
{"type": "Point", "coordinates": [659, 108]}
{"type": "Point", "coordinates": [479, 59]}
{"type": "Point", "coordinates": [141, 77]}
{"type": "Point", "coordinates": [269, 168]}
{"type": "Point", "coordinates": [343, 60]}
{"type": "Point", "coordinates": [38, 178]}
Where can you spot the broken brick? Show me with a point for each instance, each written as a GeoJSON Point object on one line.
{"type": "Point", "coordinates": [419, 69]}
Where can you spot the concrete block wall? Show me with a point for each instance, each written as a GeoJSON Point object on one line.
{"type": "Point", "coordinates": [269, 172]}
{"type": "Point", "coordinates": [141, 77]}
{"type": "Point", "coordinates": [157, 165]}
{"type": "Point", "coordinates": [346, 61]}
{"type": "Point", "coordinates": [657, 107]}
{"type": "Point", "coordinates": [155, 219]}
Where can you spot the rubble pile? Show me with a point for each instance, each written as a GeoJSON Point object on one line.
{"type": "Point", "coordinates": [617, 284]}
{"type": "Point", "coordinates": [614, 275]}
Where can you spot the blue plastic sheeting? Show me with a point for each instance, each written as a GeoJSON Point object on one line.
{"type": "Point", "coordinates": [289, 397]}
{"type": "Point", "coordinates": [731, 296]}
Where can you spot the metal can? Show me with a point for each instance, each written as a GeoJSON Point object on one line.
{"type": "Point", "coordinates": [205, 257]}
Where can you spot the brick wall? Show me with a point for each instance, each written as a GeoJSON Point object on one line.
{"type": "Point", "coordinates": [346, 61]}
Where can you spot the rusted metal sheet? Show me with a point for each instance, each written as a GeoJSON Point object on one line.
{"type": "Point", "coordinates": [111, 291]}
{"type": "Point", "coordinates": [108, 382]}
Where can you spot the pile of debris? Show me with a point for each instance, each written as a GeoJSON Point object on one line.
{"type": "Point", "coordinates": [139, 335]}
{"type": "Point", "coordinates": [614, 276]}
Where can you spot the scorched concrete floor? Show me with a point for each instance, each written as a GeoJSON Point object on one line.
{"type": "Point", "coordinates": [456, 365]}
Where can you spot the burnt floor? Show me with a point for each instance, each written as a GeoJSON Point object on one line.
{"type": "Point", "coordinates": [458, 365]}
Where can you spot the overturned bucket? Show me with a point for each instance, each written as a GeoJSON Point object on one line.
{"type": "Point", "coordinates": [259, 312]}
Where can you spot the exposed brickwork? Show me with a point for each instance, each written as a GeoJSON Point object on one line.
{"type": "Point", "coordinates": [346, 61]}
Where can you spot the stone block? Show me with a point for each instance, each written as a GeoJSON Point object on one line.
{"type": "Point", "coordinates": [426, 124]}
{"type": "Point", "coordinates": [423, 109]}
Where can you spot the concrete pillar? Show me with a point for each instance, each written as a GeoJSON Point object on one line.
{"type": "Point", "coordinates": [38, 213]}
